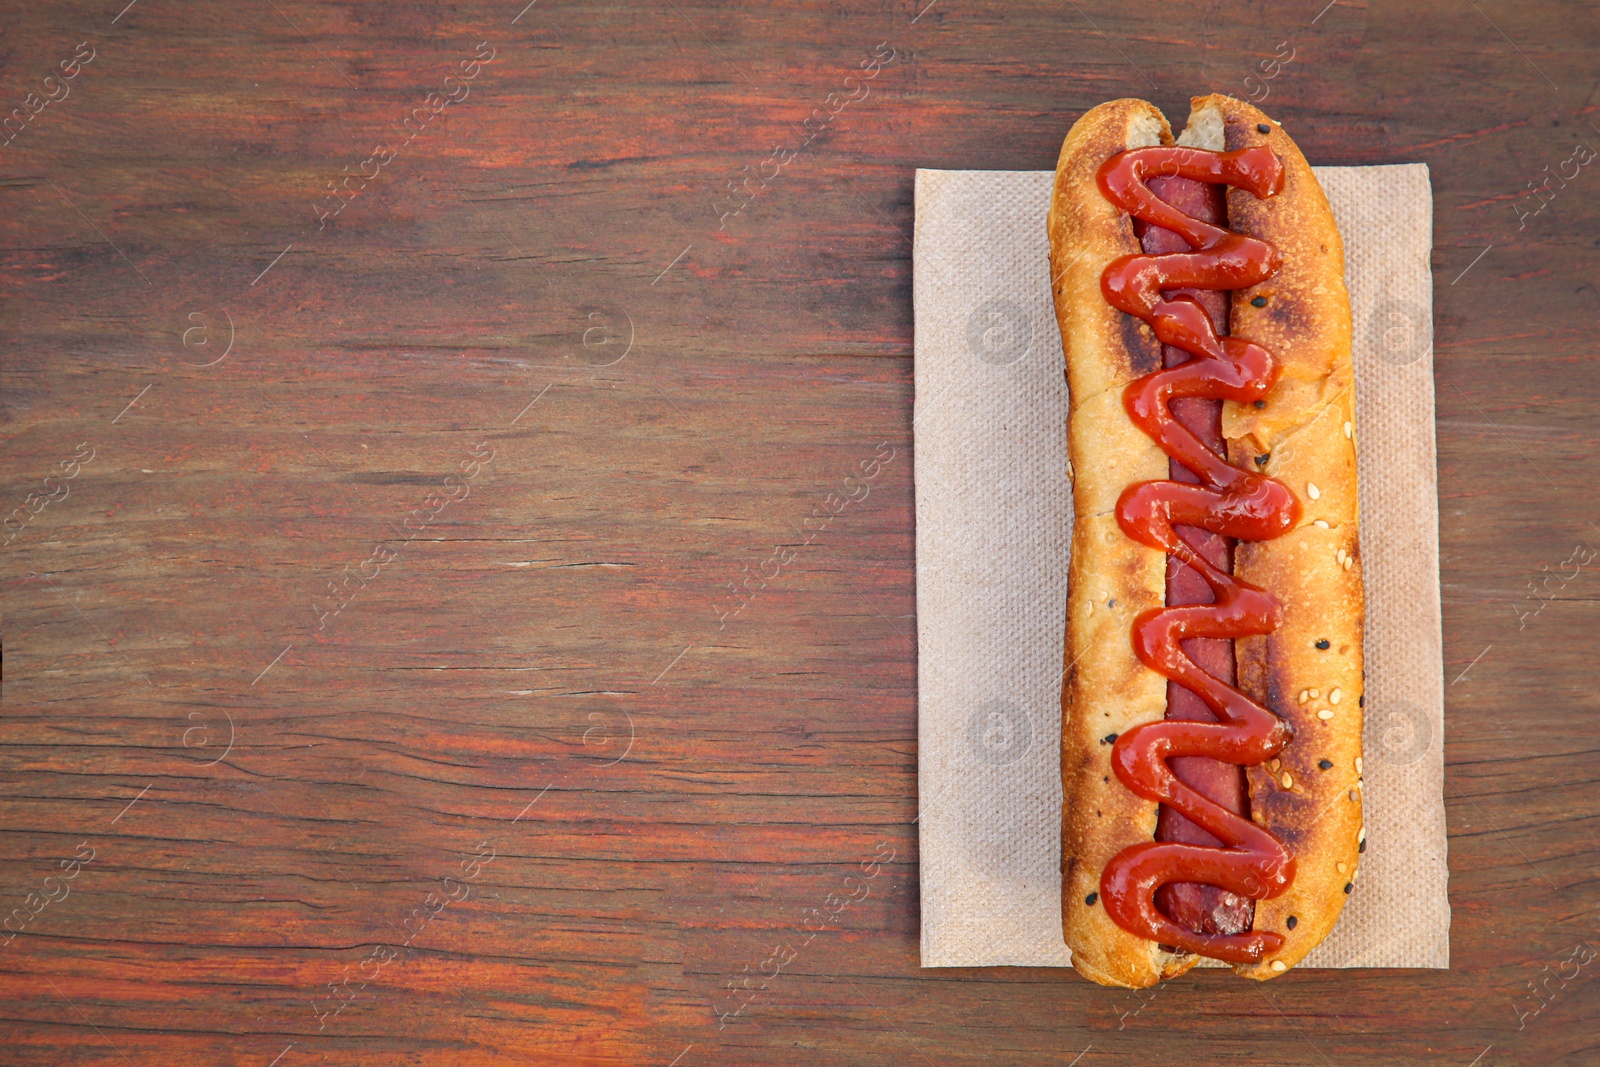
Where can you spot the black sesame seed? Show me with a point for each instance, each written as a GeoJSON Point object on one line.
{"type": "Point", "coordinates": [1292, 922]}
{"type": "Point", "coordinates": [1108, 739]}
{"type": "Point", "coordinates": [1348, 886]}
{"type": "Point", "coordinates": [1361, 701]}
{"type": "Point", "coordinates": [1262, 127]}
{"type": "Point", "coordinates": [1323, 643]}
{"type": "Point", "coordinates": [1261, 460]}
{"type": "Point", "coordinates": [1363, 846]}
{"type": "Point", "coordinates": [1326, 765]}
{"type": "Point", "coordinates": [1259, 301]}
{"type": "Point", "coordinates": [1091, 898]}
{"type": "Point", "coordinates": [1261, 403]}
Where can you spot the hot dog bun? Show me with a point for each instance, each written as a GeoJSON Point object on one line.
{"type": "Point", "coordinates": [1305, 428]}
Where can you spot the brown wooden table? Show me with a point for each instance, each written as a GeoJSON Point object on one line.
{"type": "Point", "coordinates": [382, 679]}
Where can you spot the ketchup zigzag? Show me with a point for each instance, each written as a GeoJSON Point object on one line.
{"type": "Point", "coordinates": [1235, 503]}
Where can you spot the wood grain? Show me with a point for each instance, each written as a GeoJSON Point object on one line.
{"type": "Point", "coordinates": [568, 611]}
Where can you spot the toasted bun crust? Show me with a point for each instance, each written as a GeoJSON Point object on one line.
{"type": "Point", "coordinates": [1106, 689]}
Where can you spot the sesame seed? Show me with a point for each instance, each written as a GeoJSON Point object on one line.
{"type": "Point", "coordinates": [1347, 429]}
{"type": "Point", "coordinates": [1260, 403]}
{"type": "Point", "coordinates": [1259, 302]}
{"type": "Point", "coordinates": [1349, 886]}
{"type": "Point", "coordinates": [1323, 644]}
{"type": "Point", "coordinates": [1279, 965]}
{"type": "Point", "coordinates": [1092, 897]}
{"type": "Point", "coordinates": [1363, 846]}
{"type": "Point", "coordinates": [1262, 127]}
{"type": "Point", "coordinates": [1312, 491]}
{"type": "Point", "coordinates": [1358, 766]}
{"type": "Point", "coordinates": [1336, 696]}
{"type": "Point", "coordinates": [1356, 877]}
{"type": "Point", "coordinates": [1288, 780]}
{"type": "Point", "coordinates": [1324, 714]}
{"type": "Point", "coordinates": [1305, 695]}
{"type": "Point", "coordinates": [1258, 817]}
{"type": "Point", "coordinates": [1314, 693]}
{"type": "Point", "coordinates": [1291, 922]}
{"type": "Point", "coordinates": [1108, 739]}
{"type": "Point", "coordinates": [1261, 460]}
{"type": "Point", "coordinates": [1342, 867]}
{"type": "Point", "coordinates": [1273, 765]}
{"type": "Point", "coordinates": [1347, 561]}
{"type": "Point", "coordinates": [1353, 796]}
{"type": "Point", "coordinates": [1325, 764]}
{"type": "Point", "coordinates": [1320, 522]}
{"type": "Point", "coordinates": [1363, 837]}
{"type": "Point", "coordinates": [1340, 556]}
{"type": "Point", "coordinates": [1361, 701]}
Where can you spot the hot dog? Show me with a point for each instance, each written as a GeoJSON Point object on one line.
{"type": "Point", "coordinates": [1212, 694]}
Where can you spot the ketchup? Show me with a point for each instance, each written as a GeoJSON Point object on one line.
{"type": "Point", "coordinates": [1208, 859]}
